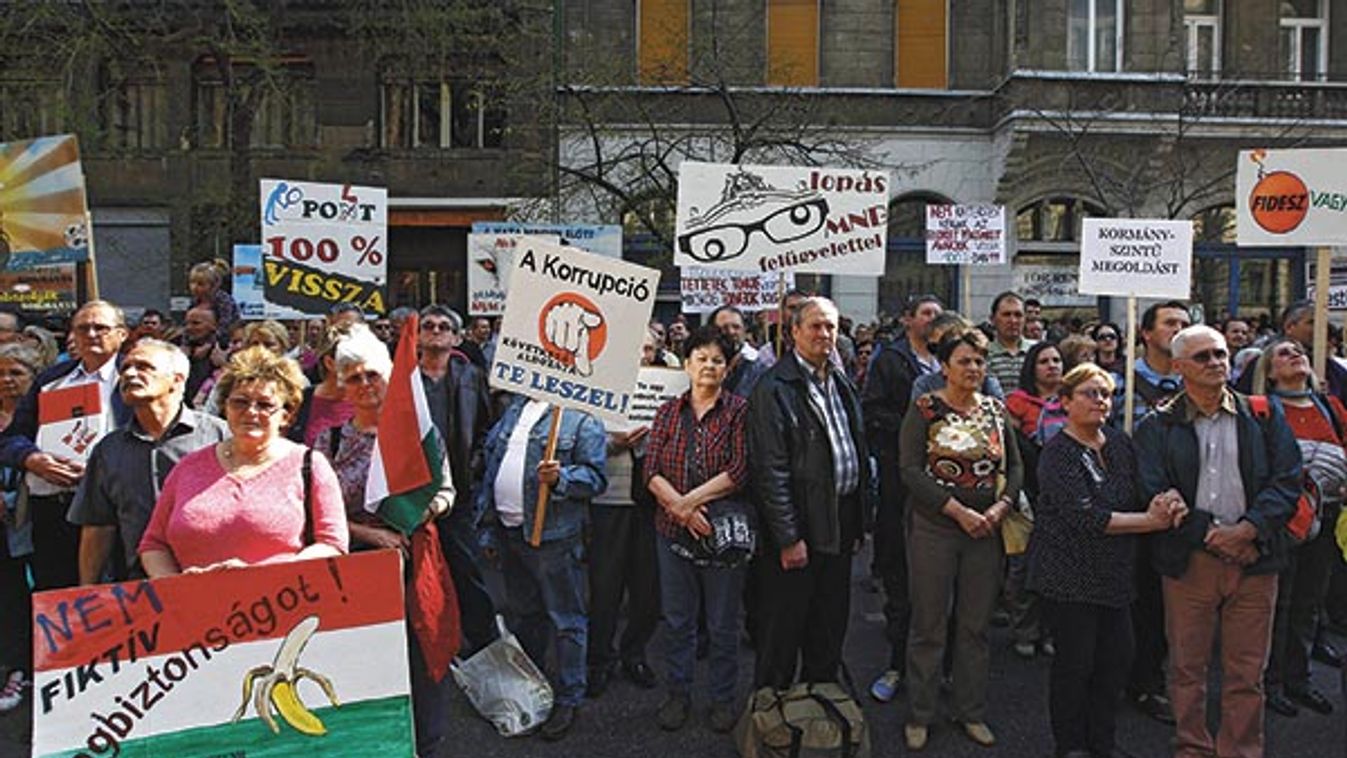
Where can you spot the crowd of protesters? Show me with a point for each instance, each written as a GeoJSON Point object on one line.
{"type": "Point", "coordinates": [991, 462]}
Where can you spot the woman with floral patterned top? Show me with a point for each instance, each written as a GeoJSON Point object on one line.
{"type": "Point", "coordinates": [962, 468]}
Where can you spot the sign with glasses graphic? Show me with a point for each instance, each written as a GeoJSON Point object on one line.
{"type": "Point", "coordinates": [770, 219]}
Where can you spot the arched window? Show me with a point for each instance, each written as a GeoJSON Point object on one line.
{"type": "Point", "coordinates": [1053, 219]}
{"type": "Point", "coordinates": [905, 269]}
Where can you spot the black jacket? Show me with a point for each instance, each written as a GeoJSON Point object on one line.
{"type": "Point", "coordinates": [470, 418]}
{"type": "Point", "coordinates": [792, 462]}
{"type": "Point", "coordinates": [888, 393]}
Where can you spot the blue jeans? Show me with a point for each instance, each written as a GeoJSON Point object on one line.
{"type": "Point", "coordinates": [684, 588]}
{"type": "Point", "coordinates": [545, 586]}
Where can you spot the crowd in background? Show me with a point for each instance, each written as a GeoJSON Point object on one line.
{"type": "Point", "coordinates": [989, 459]}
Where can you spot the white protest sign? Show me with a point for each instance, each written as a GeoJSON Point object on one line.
{"type": "Point", "coordinates": [1337, 288]}
{"type": "Point", "coordinates": [323, 244]}
{"type": "Point", "coordinates": [782, 218]}
{"type": "Point", "coordinates": [1291, 197]}
{"type": "Point", "coordinates": [705, 289]}
{"type": "Point", "coordinates": [489, 259]}
{"type": "Point", "coordinates": [1132, 257]}
{"type": "Point", "coordinates": [655, 386]}
{"type": "Point", "coordinates": [572, 329]}
{"type": "Point", "coordinates": [1053, 285]}
{"type": "Point", "coordinates": [971, 235]}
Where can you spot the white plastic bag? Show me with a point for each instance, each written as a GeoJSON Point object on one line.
{"type": "Point", "coordinates": [505, 686]}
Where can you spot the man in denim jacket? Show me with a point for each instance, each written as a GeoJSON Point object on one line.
{"type": "Point", "coordinates": [545, 584]}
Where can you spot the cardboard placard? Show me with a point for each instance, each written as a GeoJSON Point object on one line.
{"type": "Point", "coordinates": [705, 289]}
{"type": "Point", "coordinates": [572, 329]}
{"type": "Point", "coordinates": [324, 244]}
{"type": "Point", "coordinates": [770, 219]}
{"type": "Point", "coordinates": [967, 235]}
{"type": "Point", "coordinates": [182, 665]}
{"type": "Point", "coordinates": [44, 216]}
{"type": "Point", "coordinates": [1053, 285]}
{"type": "Point", "coordinates": [1291, 197]}
{"type": "Point", "coordinates": [41, 289]}
{"type": "Point", "coordinates": [1132, 257]}
{"type": "Point", "coordinates": [655, 386]}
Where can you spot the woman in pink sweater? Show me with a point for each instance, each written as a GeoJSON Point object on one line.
{"type": "Point", "coordinates": [242, 501]}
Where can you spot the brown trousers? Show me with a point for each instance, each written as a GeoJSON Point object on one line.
{"type": "Point", "coordinates": [1213, 591]}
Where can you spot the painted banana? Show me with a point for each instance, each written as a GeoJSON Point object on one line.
{"type": "Point", "coordinates": [277, 685]}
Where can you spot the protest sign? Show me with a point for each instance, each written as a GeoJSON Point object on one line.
{"type": "Point", "coordinates": [249, 288]}
{"type": "Point", "coordinates": [572, 329]}
{"type": "Point", "coordinates": [40, 290]}
{"type": "Point", "coordinates": [491, 243]}
{"type": "Point", "coordinates": [655, 386]}
{"type": "Point", "coordinates": [771, 219]}
{"type": "Point", "coordinates": [1337, 288]}
{"type": "Point", "coordinates": [1291, 197]}
{"type": "Point", "coordinates": [231, 662]}
{"type": "Point", "coordinates": [706, 289]}
{"type": "Point", "coordinates": [968, 235]}
{"type": "Point", "coordinates": [323, 244]}
{"type": "Point", "coordinates": [1136, 257]}
{"type": "Point", "coordinates": [44, 218]}
{"type": "Point", "coordinates": [1053, 285]}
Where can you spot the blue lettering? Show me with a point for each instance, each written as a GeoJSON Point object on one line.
{"type": "Point", "coordinates": [125, 598]}
{"type": "Point", "coordinates": [86, 605]}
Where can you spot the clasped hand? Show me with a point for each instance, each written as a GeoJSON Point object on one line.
{"type": "Point", "coordinates": [1233, 544]}
{"type": "Point", "coordinates": [1167, 509]}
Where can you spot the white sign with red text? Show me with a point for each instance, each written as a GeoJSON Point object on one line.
{"type": "Point", "coordinates": [969, 235]}
{"type": "Point", "coordinates": [705, 289]}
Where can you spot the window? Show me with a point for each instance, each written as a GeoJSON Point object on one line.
{"type": "Point", "coordinates": [1202, 24]}
{"type": "Point", "coordinates": [1304, 39]}
{"type": "Point", "coordinates": [920, 59]}
{"type": "Point", "coordinates": [905, 269]}
{"type": "Point", "coordinates": [135, 113]}
{"type": "Point", "coordinates": [1055, 219]}
{"type": "Point", "coordinates": [32, 107]}
{"type": "Point", "coordinates": [662, 41]}
{"type": "Point", "coordinates": [1094, 35]}
{"type": "Point", "coordinates": [438, 114]}
{"type": "Point", "coordinates": [285, 112]}
{"type": "Point", "coordinates": [792, 43]}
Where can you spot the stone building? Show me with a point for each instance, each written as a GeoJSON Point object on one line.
{"type": "Point", "coordinates": [1057, 109]}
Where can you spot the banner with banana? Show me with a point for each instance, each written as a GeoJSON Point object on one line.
{"type": "Point", "coordinates": [305, 658]}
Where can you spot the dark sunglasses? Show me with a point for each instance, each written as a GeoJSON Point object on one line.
{"type": "Point", "coordinates": [1205, 356]}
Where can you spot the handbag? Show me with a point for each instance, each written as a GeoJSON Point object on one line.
{"type": "Point", "coordinates": [1018, 523]}
{"type": "Point", "coordinates": [733, 522]}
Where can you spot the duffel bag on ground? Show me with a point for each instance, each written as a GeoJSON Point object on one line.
{"type": "Point", "coordinates": [805, 721]}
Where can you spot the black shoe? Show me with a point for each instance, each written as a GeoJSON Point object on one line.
{"type": "Point", "coordinates": [673, 712]}
{"type": "Point", "coordinates": [559, 723]}
{"type": "Point", "coordinates": [1312, 699]}
{"type": "Point", "coordinates": [640, 674]}
{"type": "Point", "coordinates": [1154, 705]}
{"type": "Point", "coordinates": [1281, 705]}
{"type": "Point", "coordinates": [1325, 653]}
{"type": "Point", "coordinates": [597, 681]}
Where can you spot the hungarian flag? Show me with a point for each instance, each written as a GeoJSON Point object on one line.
{"type": "Point", "coordinates": [406, 471]}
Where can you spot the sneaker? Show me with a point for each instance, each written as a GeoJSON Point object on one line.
{"type": "Point", "coordinates": [886, 686]}
{"type": "Point", "coordinates": [979, 733]}
{"type": "Point", "coordinates": [12, 693]}
{"type": "Point", "coordinates": [915, 736]}
{"type": "Point", "coordinates": [673, 712]}
{"type": "Point", "coordinates": [1155, 705]}
{"type": "Point", "coordinates": [723, 717]}
{"type": "Point", "coordinates": [1025, 650]}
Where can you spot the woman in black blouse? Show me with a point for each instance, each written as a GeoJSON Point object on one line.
{"type": "Point", "coordinates": [1081, 558]}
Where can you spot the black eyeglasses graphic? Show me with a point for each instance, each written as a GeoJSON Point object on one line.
{"type": "Point", "coordinates": [719, 243]}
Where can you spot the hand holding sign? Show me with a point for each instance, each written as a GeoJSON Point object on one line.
{"type": "Point", "coordinates": [567, 326]}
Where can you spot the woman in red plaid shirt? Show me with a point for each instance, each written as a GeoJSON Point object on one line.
{"type": "Point", "coordinates": [695, 463]}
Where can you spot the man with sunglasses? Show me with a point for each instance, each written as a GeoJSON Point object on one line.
{"type": "Point", "coordinates": [460, 407]}
{"type": "Point", "coordinates": [126, 469]}
{"type": "Point", "coordinates": [97, 331]}
{"type": "Point", "coordinates": [1240, 477]}
{"type": "Point", "coordinates": [884, 402]}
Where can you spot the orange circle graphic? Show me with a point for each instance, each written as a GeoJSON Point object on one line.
{"type": "Point", "coordinates": [598, 336]}
{"type": "Point", "coordinates": [1279, 202]}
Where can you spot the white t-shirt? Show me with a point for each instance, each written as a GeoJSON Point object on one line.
{"type": "Point", "coordinates": [509, 484]}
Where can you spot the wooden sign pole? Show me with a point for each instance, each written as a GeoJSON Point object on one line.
{"type": "Point", "coordinates": [966, 290]}
{"type": "Point", "coordinates": [1319, 355]}
{"type": "Point", "coordinates": [1130, 380]}
{"type": "Point", "coordinates": [780, 311]}
{"type": "Point", "coordinates": [545, 490]}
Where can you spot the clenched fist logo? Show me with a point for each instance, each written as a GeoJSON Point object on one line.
{"type": "Point", "coordinates": [573, 331]}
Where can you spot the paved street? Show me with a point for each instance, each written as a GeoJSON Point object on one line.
{"type": "Point", "coordinates": [621, 723]}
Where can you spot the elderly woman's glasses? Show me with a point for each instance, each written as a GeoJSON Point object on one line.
{"type": "Point", "coordinates": [362, 377]}
{"type": "Point", "coordinates": [244, 404]}
{"type": "Point", "coordinates": [1093, 393]}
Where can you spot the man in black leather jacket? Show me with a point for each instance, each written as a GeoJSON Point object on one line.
{"type": "Point", "coordinates": [810, 474]}
{"type": "Point", "coordinates": [460, 406]}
